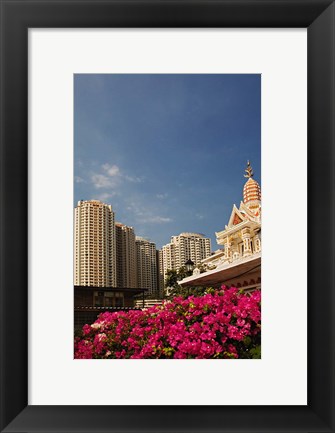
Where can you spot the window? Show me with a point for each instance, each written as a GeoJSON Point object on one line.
{"type": "Point", "coordinates": [108, 301]}
{"type": "Point", "coordinates": [98, 299]}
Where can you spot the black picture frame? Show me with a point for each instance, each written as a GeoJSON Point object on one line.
{"type": "Point", "coordinates": [17, 16]}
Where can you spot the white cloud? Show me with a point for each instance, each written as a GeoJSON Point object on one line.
{"type": "Point", "coordinates": [115, 172]}
{"type": "Point", "coordinates": [111, 170]}
{"type": "Point", "coordinates": [155, 219]}
{"type": "Point", "coordinates": [101, 181]}
{"type": "Point", "coordinates": [110, 177]}
{"type": "Point", "coordinates": [161, 196]}
{"type": "Point", "coordinates": [135, 209]}
{"type": "Point", "coordinates": [79, 179]}
{"type": "Point", "coordinates": [105, 196]}
{"type": "Point", "coordinates": [145, 215]}
{"type": "Point", "coordinates": [132, 179]}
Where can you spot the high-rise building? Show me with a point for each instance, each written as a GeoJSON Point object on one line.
{"type": "Point", "coordinates": [94, 244]}
{"type": "Point", "coordinates": [168, 258]}
{"type": "Point", "coordinates": [183, 247]}
{"type": "Point", "coordinates": [160, 272]}
{"type": "Point", "coordinates": [146, 265]}
{"type": "Point", "coordinates": [125, 256]}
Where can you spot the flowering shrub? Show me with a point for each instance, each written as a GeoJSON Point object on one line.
{"type": "Point", "coordinates": [221, 324]}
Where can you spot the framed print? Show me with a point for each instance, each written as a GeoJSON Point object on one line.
{"type": "Point", "coordinates": [111, 173]}
{"type": "Point", "coordinates": [60, 61]}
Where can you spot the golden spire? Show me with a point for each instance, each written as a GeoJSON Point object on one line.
{"type": "Point", "coordinates": [249, 171]}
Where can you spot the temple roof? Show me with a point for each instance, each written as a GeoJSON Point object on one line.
{"type": "Point", "coordinates": [251, 191]}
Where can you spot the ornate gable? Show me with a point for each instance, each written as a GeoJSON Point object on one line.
{"type": "Point", "coordinates": [236, 217]}
{"type": "Point", "coordinates": [237, 220]}
{"type": "Point", "coordinates": [253, 215]}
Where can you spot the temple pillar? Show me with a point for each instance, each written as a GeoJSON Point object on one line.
{"type": "Point", "coordinates": [257, 243]}
{"type": "Point", "coordinates": [247, 251]}
{"type": "Point", "coordinates": [227, 249]}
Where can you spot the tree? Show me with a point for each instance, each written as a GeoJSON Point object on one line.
{"type": "Point", "coordinates": [171, 278]}
{"type": "Point", "coordinates": [174, 289]}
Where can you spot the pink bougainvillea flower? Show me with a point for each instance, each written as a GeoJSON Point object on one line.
{"type": "Point", "coordinates": [225, 324]}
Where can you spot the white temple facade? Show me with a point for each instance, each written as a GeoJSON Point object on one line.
{"type": "Point", "coordinates": [239, 262]}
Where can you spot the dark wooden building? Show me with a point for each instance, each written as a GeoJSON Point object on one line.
{"type": "Point", "coordinates": [89, 302]}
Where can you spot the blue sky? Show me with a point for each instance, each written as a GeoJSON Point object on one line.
{"type": "Point", "coordinates": [167, 151]}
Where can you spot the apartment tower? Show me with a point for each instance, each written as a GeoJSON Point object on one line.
{"type": "Point", "coordinates": [183, 247]}
{"type": "Point", "coordinates": [94, 249]}
{"type": "Point", "coordinates": [146, 265]}
{"type": "Point", "coordinates": [125, 256]}
{"type": "Point", "coordinates": [160, 272]}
